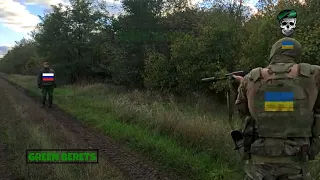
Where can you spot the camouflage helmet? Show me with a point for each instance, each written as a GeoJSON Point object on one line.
{"type": "Point", "coordinates": [285, 50]}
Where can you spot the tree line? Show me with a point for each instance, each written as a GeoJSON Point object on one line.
{"type": "Point", "coordinates": [163, 45]}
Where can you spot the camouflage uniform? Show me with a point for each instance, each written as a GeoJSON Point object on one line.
{"type": "Point", "coordinates": [46, 86]}
{"type": "Point", "coordinates": [283, 141]}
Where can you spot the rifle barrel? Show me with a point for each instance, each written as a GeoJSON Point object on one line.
{"type": "Point", "coordinates": [213, 79]}
{"type": "Point", "coordinates": [234, 73]}
{"type": "Point", "coordinates": [208, 79]}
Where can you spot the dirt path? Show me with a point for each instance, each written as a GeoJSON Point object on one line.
{"type": "Point", "coordinates": [131, 164]}
{"type": "Point", "coordinates": [4, 173]}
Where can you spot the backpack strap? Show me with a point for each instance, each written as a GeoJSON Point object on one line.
{"type": "Point", "coordinates": [280, 70]}
{"type": "Point", "coordinates": [255, 74]}
{"type": "Point", "coordinates": [306, 69]}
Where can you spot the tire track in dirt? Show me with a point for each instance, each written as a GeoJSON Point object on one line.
{"type": "Point", "coordinates": [4, 170]}
{"type": "Point", "coordinates": [130, 163]}
{"type": "Point", "coordinates": [4, 173]}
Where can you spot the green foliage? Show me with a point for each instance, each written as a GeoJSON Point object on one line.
{"type": "Point", "coordinates": [20, 59]}
{"type": "Point", "coordinates": [160, 73]}
{"type": "Point", "coordinates": [164, 45]}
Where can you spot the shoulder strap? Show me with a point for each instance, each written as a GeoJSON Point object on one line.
{"type": "Point", "coordinates": [280, 67]}
{"type": "Point", "coordinates": [280, 70]}
{"type": "Point", "coordinates": [306, 69]}
{"type": "Point", "coordinates": [255, 74]}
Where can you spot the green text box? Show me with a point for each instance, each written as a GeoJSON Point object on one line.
{"type": "Point", "coordinates": [62, 156]}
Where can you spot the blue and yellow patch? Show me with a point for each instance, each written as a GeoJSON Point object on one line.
{"type": "Point", "coordinates": [278, 101]}
{"type": "Point", "coordinates": [287, 45]}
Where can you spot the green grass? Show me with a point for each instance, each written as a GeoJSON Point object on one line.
{"type": "Point", "coordinates": [19, 131]}
{"type": "Point", "coordinates": [182, 137]}
{"type": "Point", "coordinates": [178, 137]}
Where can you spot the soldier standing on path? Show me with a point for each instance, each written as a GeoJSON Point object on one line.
{"type": "Point", "coordinates": [281, 109]}
{"type": "Point", "coordinates": [46, 82]}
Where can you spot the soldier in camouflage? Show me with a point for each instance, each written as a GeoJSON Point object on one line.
{"type": "Point", "coordinates": [46, 82]}
{"type": "Point", "coordinates": [282, 100]}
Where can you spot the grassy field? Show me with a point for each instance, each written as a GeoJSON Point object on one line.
{"type": "Point", "coordinates": [19, 132]}
{"type": "Point", "coordinates": [183, 137]}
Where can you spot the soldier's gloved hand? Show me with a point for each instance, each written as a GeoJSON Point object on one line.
{"type": "Point", "coordinates": [39, 86]}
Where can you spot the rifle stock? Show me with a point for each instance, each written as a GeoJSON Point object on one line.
{"type": "Point", "coordinates": [237, 137]}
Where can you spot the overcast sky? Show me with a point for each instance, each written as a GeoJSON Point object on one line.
{"type": "Point", "coordinates": [19, 17]}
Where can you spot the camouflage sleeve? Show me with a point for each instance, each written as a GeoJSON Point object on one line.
{"type": "Point", "coordinates": [242, 101]}
{"type": "Point", "coordinates": [39, 78]}
{"type": "Point", "coordinates": [315, 140]}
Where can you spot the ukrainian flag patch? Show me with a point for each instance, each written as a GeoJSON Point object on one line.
{"type": "Point", "coordinates": [287, 45]}
{"type": "Point", "coordinates": [278, 101]}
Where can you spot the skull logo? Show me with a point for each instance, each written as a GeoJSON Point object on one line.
{"type": "Point", "coordinates": [288, 26]}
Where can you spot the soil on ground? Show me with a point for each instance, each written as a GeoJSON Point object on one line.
{"type": "Point", "coordinates": [131, 164]}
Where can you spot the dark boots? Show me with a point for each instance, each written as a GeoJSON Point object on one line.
{"type": "Point", "coordinates": [44, 103]}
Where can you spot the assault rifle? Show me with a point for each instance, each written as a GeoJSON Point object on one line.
{"type": "Point", "coordinates": [231, 98]}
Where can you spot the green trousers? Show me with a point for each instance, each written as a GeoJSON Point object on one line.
{"type": "Point", "coordinates": [47, 90]}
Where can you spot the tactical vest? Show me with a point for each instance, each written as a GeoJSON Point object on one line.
{"type": "Point", "coordinates": [281, 104]}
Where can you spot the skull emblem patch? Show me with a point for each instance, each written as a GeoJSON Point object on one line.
{"type": "Point", "coordinates": [287, 19]}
